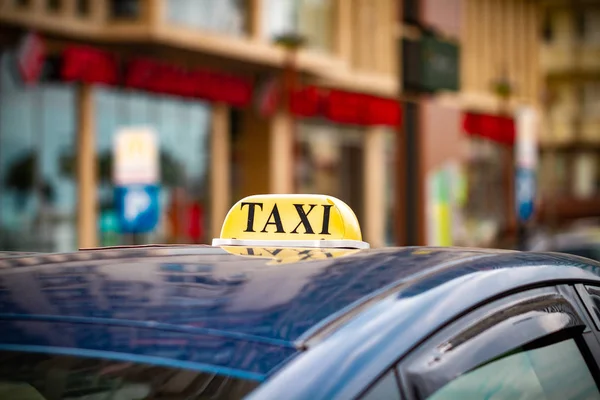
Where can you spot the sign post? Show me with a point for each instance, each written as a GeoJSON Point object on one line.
{"type": "Point", "coordinates": [136, 177]}
{"type": "Point", "coordinates": [525, 170]}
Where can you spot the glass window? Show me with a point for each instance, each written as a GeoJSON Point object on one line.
{"type": "Point", "coordinates": [592, 26]}
{"type": "Point", "coordinates": [331, 162]}
{"type": "Point", "coordinates": [182, 128]}
{"type": "Point", "coordinates": [386, 388]}
{"type": "Point", "coordinates": [553, 372]}
{"type": "Point", "coordinates": [83, 7]}
{"type": "Point", "coordinates": [222, 16]}
{"type": "Point", "coordinates": [37, 197]}
{"type": "Point", "coordinates": [125, 9]}
{"type": "Point", "coordinates": [312, 19]}
{"type": "Point", "coordinates": [485, 209]}
{"type": "Point", "coordinates": [47, 376]}
{"type": "Point", "coordinates": [591, 98]}
{"type": "Point", "coordinates": [584, 175]}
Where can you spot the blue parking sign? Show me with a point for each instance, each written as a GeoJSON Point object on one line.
{"type": "Point", "coordinates": [137, 208]}
{"type": "Point", "coordinates": [525, 193]}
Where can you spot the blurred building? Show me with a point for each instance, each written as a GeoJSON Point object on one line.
{"type": "Point", "coordinates": [208, 78]}
{"type": "Point", "coordinates": [237, 113]}
{"type": "Point", "coordinates": [570, 140]}
{"type": "Point", "coordinates": [462, 128]}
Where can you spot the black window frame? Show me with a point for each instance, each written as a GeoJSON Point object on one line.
{"type": "Point", "coordinates": [125, 10]}
{"type": "Point", "coordinates": [430, 367]}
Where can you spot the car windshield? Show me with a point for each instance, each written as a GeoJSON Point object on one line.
{"type": "Point", "coordinates": [34, 376]}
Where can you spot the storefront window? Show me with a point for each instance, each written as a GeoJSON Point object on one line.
{"type": "Point", "coordinates": [182, 128]}
{"type": "Point", "coordinates": [222, 16]}
{"type": "Point", "coordinates": [37, 194]}
{"type": "Point", "coordinates": [331, 162]}
{"type": "Point", "coordinates": [313, 19]}
{"type": "Point", "coordinates": [485, 209]}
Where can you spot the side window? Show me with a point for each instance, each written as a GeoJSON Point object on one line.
{"type": "Point", "coordinates": [530, 345]}
{"type": "Point", "coordinates": [555, 371]}
{"type": "Point", "coordinates": [385, 388]}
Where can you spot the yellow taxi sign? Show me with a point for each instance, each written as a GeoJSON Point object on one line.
{"type": "Point", "coordinates": [293, 220]}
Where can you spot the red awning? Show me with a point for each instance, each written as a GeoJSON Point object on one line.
{"type": "Point", "coordinates": [345, 107]}
{"type": "Point", "coordinates": [90, 65]}
{"type": "Point", "coordinates": [499, 129]}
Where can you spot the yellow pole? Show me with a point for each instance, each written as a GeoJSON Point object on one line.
{"type": "Point", "coordinates": [86, 168]}
{"type": "Point", "coordinates": [220, 168]}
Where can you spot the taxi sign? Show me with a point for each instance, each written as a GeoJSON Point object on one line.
{"type": "Point", "coordinates": [293, 220]}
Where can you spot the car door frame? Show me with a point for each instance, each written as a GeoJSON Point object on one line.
{"type": "Point", "coordinates": [545, 312]}
{"type": "Point", "coordinates": [594, 320]}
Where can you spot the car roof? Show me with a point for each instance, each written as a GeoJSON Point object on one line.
{"type": "Point", "coordinates": [242, 316]}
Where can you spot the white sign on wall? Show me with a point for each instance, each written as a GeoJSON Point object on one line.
{"type": "Point", "coordinates": [526, 159]}
{"type": "Point", "coordinates": [526, 140]}
{"type": "Point", "coordinates": [136, 157]}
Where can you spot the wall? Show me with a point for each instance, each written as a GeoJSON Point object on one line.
{"type": "Point", "coordinates": [500, 38]}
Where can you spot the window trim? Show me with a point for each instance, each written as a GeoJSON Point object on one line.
{"type": "Point", "coordinates": [433, 365]}
{"type": "Point", "coordinates": [587, 301]}
{"type": "Point", "coordinates": [377, 380]}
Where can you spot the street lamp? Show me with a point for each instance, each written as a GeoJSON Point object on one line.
{"type": "Point", "coordinates": [292, 42]}
{"type": "Point", "coordinates": [504, 89]}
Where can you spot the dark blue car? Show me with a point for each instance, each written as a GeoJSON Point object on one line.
{"type": "Point", "coordinates": [289, 304]}
{"type": "Point", "coordinates": [201, 323]}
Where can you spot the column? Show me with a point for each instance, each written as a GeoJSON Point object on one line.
{"type": "Point", "coordinates": [155, 11]}
{"type": "Point", "coordinates": [485, 28]}
{"type": "Point", "coordinates": [343, 30]}
{"type": "Point", "coordinates": [254, 19]}
{"type": "Point", "coordinates": [220, 193]}
{"type": "Point", "coordinates": [281, 153]}
{"type": "Point", "coordinates": [375, 181]}
{"type": "Point", "coordinates": [99, 11]}
{"type": "Point", "coordinates": [86, 168]}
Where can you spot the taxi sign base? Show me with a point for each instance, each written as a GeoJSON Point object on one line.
{"type": "Point", "coordinates": [327, 244]}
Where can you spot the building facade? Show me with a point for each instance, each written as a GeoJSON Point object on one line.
{"type": "Point", "coordinates": [111, 65]}
{"type": "Point", "coordinates": [570, 55]}
{"type": "Point", "coordinates": [463, 127]}
{"type": "Point", "coordinates": [236, 112]}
